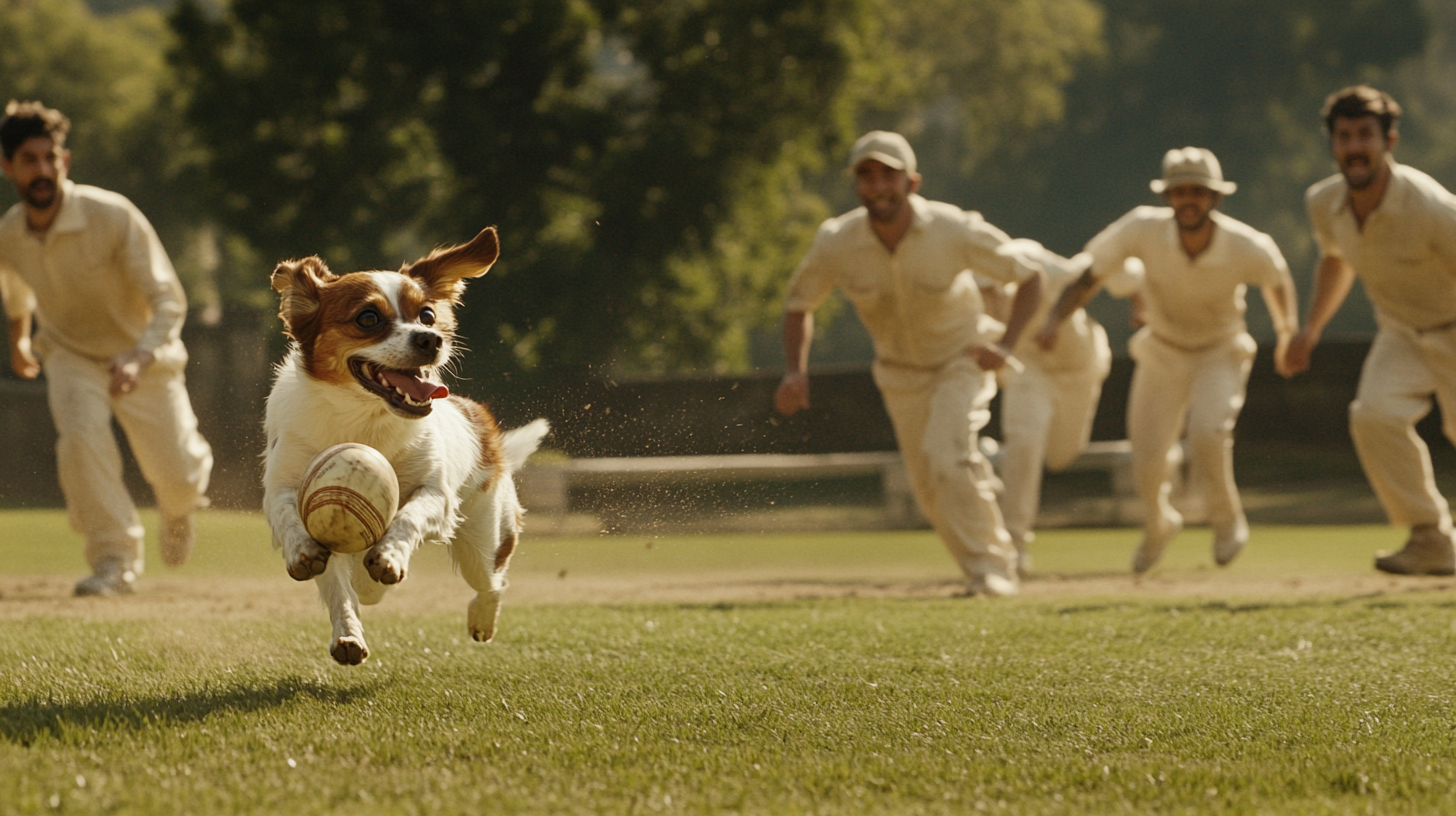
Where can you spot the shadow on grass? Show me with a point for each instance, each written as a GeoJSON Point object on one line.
{"type": "Point", "coordinates": [24, 721]}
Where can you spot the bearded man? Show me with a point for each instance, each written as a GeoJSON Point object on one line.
{"type": "Point", "coordinates": [909, 267]}
{"type": "Point", "coordinates": [1395, 227]}
{"type": "Point", "coordinates": [1194, 353]}
{"type": "Point", "coordinates": [87, 264]}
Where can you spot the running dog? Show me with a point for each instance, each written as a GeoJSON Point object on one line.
{"type": "Point", "coordinates": [363, 366]}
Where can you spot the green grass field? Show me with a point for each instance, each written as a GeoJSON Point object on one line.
{"type": "Point", "coordinates": [815, 673]}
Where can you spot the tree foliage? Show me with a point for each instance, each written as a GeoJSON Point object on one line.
{"type": "Point", "coordinates": [1244, 78]}
{"type": "Point", "coordinates": [655, 166]}
{"type": "Point", "coordinates": [604, 140]}
{"type": "Point", "coordinates": [110, 76]}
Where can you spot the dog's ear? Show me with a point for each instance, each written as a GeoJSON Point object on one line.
{"type": "Point", "coordinates": [442, 273]}
{"type": "Point", "coordinates": [298, 282]}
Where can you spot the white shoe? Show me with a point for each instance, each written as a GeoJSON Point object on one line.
{"type": "Point", "coordinates": [177, 540]}
{"type": "Point", "coordinates": [1155, 541]}
{"type": "Point", "coordinates": [111, 577]}
{"type": "Point", "coordinates": [1228, 545]}
{"type": "Point", "coordinates": [992, 586]}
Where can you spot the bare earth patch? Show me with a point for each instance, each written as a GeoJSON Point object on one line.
{"type": "Point", "coordinates": [180, 598]}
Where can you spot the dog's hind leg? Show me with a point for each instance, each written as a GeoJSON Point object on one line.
{"type": "Point", "coordinates": [482, 548]}
{"type": "Point", "coordinates": [335, 590]}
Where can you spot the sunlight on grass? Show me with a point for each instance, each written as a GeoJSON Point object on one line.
{"type": "Point", "coordinates": [1120, 703]}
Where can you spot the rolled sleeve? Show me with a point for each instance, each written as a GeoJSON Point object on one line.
{"type": "Point", "coordinates": [991, 253]}
{"type": "Point", "coordinates": [1274, 270]}
{"type": "Point", "coordinates": [152, 273]}
{"type": "Point", "coordinates": [1443, 230]}
{"type": "Point", "coordinates": [18, 298]}
{"type": "Point", "coordinates": [812, 282]}
{"type": "Point", "coordinates": [1111, 248]}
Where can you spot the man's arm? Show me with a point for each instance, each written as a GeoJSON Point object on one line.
{"type": "Point", "coordinates": [792, 395]}
{"type": "Point", "coordinates": [1075, 296]}
{"type": "Point", "coordinates": [1024, 304]}
{"type": "Point", "coordinates": [1283, 306]}
{"type": "Point", "coordinates": [22, 361]}
{"type": "Point", "coordinates": [1333, 278]}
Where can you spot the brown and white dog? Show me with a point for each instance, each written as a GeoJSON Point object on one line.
{"type": "Point", "coordinates": [363, 367]}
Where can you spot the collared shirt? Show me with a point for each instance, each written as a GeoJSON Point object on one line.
{"type": "Point", "coordinates": [1406, 252]}
{"type": "Point", "coordinates": [1079, 341]}
{"type": "Point", "coordinates": [1191, 303]}
{"type": "Point", "coordinates": [98, 280]}
{"type": "Point", "coordinates": [920, 303]}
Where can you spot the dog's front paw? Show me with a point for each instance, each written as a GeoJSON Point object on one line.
{"type": "Point", "coordinates": [306, 561]}
{"type": "Point", "coordinates": [386, 565]}
{"type": "Point", "coordinates": [481, 616]}
{"type": "Point", "coordinates": [350, 650]}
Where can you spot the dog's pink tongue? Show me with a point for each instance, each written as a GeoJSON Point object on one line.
{"type": "Point", "coordinates": [418, 388]}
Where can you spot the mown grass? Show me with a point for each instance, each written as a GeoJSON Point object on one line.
{"type": "Point", "coordinates": [1120, 703]}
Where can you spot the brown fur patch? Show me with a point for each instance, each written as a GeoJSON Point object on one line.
{"type": "Point", "coordinates": [337, 337]}
{"type": "Point", "coordinates": [442, 271]}
{"type": "Point", "coordinates": [298, 281]}
{"type": "Point", "coordinates": [492, 445]}
{"type": "Point", "coordinates": [413, 299]}
{"type": "Point", "coordinates": [503, 553]}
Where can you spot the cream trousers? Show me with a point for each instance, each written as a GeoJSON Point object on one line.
{"type": "Point", "coordinates": [161, 430]}
{"type": "Point", "coordinates": [1202, 390]}
{"type": "Point", "coordinates": [1046, 420]}
{"type": "Point", "coordinates": [937, 416]}
{"type": "Point", "coordinates": [1403, 370]}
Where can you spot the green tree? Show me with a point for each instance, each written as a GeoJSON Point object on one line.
{"type": "Point", "coordinates": [604, 140]}
{"type": "Point", "coordinates": [108, 74]}
{"type": "Point", "coordinates": [656, 167]}
{"type": "Point", "coordinates": [1245, 78]}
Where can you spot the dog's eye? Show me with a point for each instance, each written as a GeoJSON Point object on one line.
{"type": "Point", "coordinates": [427, 316]}
{"type": "Point", "coordinates": [368, 319]}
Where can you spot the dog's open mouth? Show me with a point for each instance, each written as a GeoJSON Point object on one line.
{"type": "Point", "coordinates": [406, 390]}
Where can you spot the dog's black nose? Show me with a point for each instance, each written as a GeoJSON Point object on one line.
{"type": "Point", "coordinates": [426, 341]}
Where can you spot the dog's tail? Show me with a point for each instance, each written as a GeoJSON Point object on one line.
{"type": "Point", "coordinates": [521, 442]}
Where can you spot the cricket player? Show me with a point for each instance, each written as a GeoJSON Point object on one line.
{"type": "Point", "coordinates": [1194, 355]}
{"type": "Point", "coordinates": [1395, 227]}
{"type": "Point", "coordinates": [1049, 404]}
{"type": "Point", "coordinates": [906, 264]}
{"type": "Point", "coordinates": [87, 264]}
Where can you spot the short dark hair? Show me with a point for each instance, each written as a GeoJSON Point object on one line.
{"type": "Point", "coordinates": [27, 120]}
{"type": "Point", "coordinates": [1358, 101]}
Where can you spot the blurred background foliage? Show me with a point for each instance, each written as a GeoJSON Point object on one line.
{"type": "Point", "coordinates": [657, 167]}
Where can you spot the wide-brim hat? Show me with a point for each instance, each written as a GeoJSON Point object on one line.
{"type": "Point", "coordinates": [890, 149]}
{"type": "Point", "coordinates": [1192, 165]}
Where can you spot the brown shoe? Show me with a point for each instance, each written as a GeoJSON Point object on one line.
{"type": "Point", "coordinates": [1428, 551]}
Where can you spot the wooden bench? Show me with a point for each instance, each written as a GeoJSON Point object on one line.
{"type": "Point", "coordinates": [545, 487]}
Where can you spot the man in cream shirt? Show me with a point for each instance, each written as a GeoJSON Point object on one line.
{"type": "Point", "coordinates": [1395, 227]}
{"type": "Point", "coordinates": [906, 265]}
{"type": "Point", "coordinates": [1193, 356]}
{"type": "Point", "coordinates": [87, 264]}
{"type": "Point", "coordinates": [1048, 405]}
